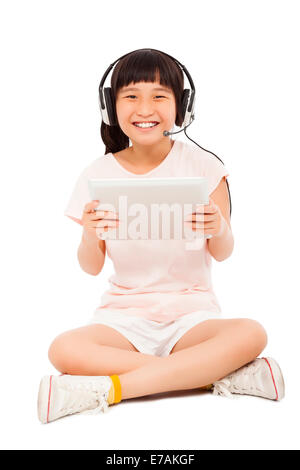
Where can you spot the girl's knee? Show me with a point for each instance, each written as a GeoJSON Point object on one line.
{"type": "Point", "coordinates": [59, 352]}
{"type": "Point", "coordinates": [255, 335]}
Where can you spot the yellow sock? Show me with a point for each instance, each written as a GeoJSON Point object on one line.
{"type": "Point", "coordinates": [115, 392]}
{"type": "Point", "coordinates": [207, 387]}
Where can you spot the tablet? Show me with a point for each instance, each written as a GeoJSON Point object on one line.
{"type": "Point", "coordinates": [150, 208]}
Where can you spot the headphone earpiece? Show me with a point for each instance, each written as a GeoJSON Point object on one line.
{"type": "Point", "coordinates": [184, 103]}
{"type": "Point", "coordinates": [111, 109]}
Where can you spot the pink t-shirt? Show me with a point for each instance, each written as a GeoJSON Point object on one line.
{"type": "Point", "coordinates": [159, 280]}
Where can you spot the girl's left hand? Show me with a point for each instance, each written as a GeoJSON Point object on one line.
{"type": "Point", "coordinates": [207, 219]}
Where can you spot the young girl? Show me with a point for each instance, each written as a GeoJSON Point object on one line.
{"type": "Point", "coordinates": [159, 328]}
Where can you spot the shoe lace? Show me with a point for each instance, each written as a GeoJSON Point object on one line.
{"type": "Point", "coordinates": [85, 398]}
{"type": "Point", "coordinates": [239, 381]}
{"type": "Point", "coordinates": [221, 387]}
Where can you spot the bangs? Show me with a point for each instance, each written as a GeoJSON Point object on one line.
{"type": "Point", "coordinates": [147, 66]}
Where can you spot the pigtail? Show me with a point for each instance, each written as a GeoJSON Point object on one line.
{"type": "Point", "coordinates": [114, 138]}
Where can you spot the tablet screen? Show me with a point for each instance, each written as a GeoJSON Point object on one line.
{"type": "Point", "coordinates": [152, 208]}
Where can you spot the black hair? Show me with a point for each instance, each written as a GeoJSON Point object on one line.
{"type": "Point", "coordinates": [144, 65]}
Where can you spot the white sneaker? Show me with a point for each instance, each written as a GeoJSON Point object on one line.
{"type": "Point", "coordinates": [261, 377]}
{"type": "Point", "coordinates": [67, 394]}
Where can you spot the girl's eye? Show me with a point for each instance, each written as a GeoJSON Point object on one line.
{"type": "Point", "coordinates": [158, 96]}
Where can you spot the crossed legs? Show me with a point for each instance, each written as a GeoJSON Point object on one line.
{"type": "Point", "coordinates": [206, 353]}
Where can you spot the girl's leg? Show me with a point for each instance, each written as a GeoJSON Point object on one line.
{"type": "Point", "coordinates": [229, 345]}
{"type": "Point", "coordinates": [96, 350]}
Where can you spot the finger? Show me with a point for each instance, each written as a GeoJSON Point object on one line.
{"type": "Point", "coordinates": [207, 209]}
{"type": "Point", "coordinates": [106, 223]}
{"type": "Point", "coordinates": [200, 225]}
{"type": "Point", "coordinates": [104, 215]}
{"type": "Point", "coordinates": [111, 215]}
{"type": "Point", "coordinates": [200, 217]}
{"type": "Point", "coordinates": [100, 230]}
{"type": "Point", "coordinates": [89, 207]}
{"type": "Point", "coordinates": [97, 215]}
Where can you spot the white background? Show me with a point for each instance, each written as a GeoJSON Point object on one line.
{"type": "Point", "coordinates": [243, 58]}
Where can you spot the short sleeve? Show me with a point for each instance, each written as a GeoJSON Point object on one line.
{"type": "Point", "coordinates": [214, 170]}
{"type": "Point", "coordinates": [79, 197]}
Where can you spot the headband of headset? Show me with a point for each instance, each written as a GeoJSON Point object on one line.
{"type": "Point", "coordinates": [106, 102]}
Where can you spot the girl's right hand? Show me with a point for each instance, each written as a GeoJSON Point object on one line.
{"type": "Point", "coordinates": [97, 222]}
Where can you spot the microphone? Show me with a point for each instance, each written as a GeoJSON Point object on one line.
{"type": "Point", "coordinates": [166, 133]}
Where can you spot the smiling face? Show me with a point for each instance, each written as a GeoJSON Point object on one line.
{"type": "Point", "coordinates": [144, 102]}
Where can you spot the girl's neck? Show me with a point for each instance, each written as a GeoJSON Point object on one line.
{"type": "Point", "coordinates": [145, 156]}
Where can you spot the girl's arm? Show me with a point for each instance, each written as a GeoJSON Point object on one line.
{"type": "Point", "coordinates": [221, 246]}
{"type": "Point", "coordinates": [91, 255]}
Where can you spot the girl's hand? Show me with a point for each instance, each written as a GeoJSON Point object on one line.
{"type": "Point", "coordinates": [207, 219]}
{"type": "Point", "coordinates": [97, 222]}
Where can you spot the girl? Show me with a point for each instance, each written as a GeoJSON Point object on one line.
{"type": "Point", "coordinates": [159, 328]}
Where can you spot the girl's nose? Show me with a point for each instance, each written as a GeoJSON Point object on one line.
{"type": "Point", "coordinates": [145, 108]}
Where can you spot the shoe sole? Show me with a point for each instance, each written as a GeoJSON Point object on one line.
{"type": "Point", "coordinates": [44, 398]}
{"type": "Point", "coordinates": [277, 378]}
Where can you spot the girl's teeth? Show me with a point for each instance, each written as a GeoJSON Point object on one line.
{"type": "Point", "coordinates": [145, 125]}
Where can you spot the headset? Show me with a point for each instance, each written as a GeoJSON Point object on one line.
{"type": "Point", "coordinates": [108, 111]}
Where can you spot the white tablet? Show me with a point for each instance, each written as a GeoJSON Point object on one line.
{"type": "Point", "coordinates": [150, 208]}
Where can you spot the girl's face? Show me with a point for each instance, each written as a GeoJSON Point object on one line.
{"type": "Point", "coordinates": [145, 102]}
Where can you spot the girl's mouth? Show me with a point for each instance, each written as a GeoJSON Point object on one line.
{"type": "Point", "coordinates": [146, 128]}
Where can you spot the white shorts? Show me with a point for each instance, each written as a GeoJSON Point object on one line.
{"type": "Point", "coordinates": [151, 337]}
